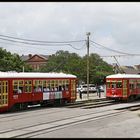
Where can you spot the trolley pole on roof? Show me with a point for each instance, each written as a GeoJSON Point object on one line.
{"type": "Point", "coordinates": [88, 34]}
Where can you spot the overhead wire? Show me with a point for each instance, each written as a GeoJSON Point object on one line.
{"type": "Point", "coordinates": [44, 43]}
{"type": "Point", "coordinates": [13, 42]}
{"type": "Point", "coordinates": [60, 43]}
{"type": "Point", "coordinates": [40, 44]}
{"type": "Point", "coordinates": [114, 56]}
{"type": "Point", "coordinates": [110, 49]}
{"type": "Point", "coordinates": [73, 41]}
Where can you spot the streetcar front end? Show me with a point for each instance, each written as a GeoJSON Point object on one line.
{"type": "Point", "coordinates": [116, 88]}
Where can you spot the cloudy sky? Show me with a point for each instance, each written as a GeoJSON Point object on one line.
{"type": "Point", "coordinates": [116, 26]}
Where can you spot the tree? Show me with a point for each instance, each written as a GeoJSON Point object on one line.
{"type": "Point", "coordinates": [63, 61]}
{"type": "Point", "coordinates": [11, 62]}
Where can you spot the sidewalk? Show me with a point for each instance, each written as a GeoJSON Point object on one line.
{"type": "Point", "coordinates": [91, 96]}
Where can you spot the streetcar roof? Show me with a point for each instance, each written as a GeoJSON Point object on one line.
{"type": "Point", "coordinates": [35, 75]}
{"type": "Point", "coordinates": [124, 76]}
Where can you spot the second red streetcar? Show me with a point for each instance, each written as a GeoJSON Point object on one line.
{"type": "Point", "coordinates": [123, 86]}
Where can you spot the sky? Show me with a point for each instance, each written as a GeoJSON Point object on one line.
{"type": "Point", "coordinates": [114, 25]}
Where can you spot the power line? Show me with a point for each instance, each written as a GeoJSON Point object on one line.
{"type": "Point", "coordinates": [29, 43]}
{"type": "Point", "coordinates": [73, 41]}
{"type": "Point", "coordinates": [60, 43]}
{"type": "Point", "coordinates": [110, 49]}
{"type": "Point", "coordinates": [54, 43]}
{"type": "Point", "coordinates": [42, 44]}
{"type": "Point", "coordinates": [45, 43]}
{"type": "Point", "coordinates": [83, 47]}
{"type": "Point", "coordinates": [120, 55]}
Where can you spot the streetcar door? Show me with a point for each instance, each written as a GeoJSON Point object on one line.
{"type": "Point", "coordinates": [124, 88]}
{"type": "Point", "coordinates": [73, 90]}
{"type": "Point", "coordinates": [3, 93]}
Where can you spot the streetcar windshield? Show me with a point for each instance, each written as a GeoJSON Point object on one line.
{"type": "Point", "coordinates": [114, 84]}
{"type": "Point", "coordinates": [119, 84]}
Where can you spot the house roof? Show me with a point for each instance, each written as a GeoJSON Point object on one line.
{"type": "Point", "coordinates": [130, 70]}
{"type": "Point", "coordinates": [27, 57]}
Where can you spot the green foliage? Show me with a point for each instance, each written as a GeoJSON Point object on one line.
{"type": "Point", "coordinates": [11, 62]}
{"type": "Point", "coordinates": [63, 61]}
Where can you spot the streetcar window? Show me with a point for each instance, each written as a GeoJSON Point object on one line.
{"type": "Point", "coordinates": [108, 84]}
{"type": "Point", "coordinates": [38, 85]}
{"type": "Point", "coordinates": [131, 86]}
{"type": "Point", "coordinates": [119, 84]}
{"type": "Point", "coordinates": [18, 86]}
{"type": "Point", "coordinates": [55, 85]}
{"type": "Point", "coordinates": [138, 85]}
{"type": "Point", "coordinates": [62, 85]}
{"type": "Point", "coordinates": [113, 84]}
{"type": "Point", "coordinates": [28, 86]}
{"type": "Point", "coordinates": [46, 86]}
{"type": "Point", "coordinates": [51, 85]}
{"type": "Point", "coordinates": [67, 86]}
{"type": "Point", "coordinates": [59, 88]}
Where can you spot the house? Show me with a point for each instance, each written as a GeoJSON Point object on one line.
{"type": "Point", "coordinates": [137, 67]}
{"type": "Point", "coordinates": [36, 61]}
{"type": "Point", "coordinates": [126, 69]}
{"type": "Point", "coordinates": [130, 70]}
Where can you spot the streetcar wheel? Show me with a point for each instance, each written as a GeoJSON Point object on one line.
{"type": "Point", "coordinates": [24, 105]}
{"type": "Point", "coordinates": [130, 98]}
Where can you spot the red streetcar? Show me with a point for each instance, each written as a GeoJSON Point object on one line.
{"type": "Point", "coordinates": [123, 87]}
{"type": "Point", "coordinates": [18, 90]}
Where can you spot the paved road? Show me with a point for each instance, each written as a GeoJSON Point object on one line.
{"type": "Point", "coordinates": [121, 126]}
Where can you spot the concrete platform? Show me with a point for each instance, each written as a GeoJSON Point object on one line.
{"type": "Point", "coordinates": [91, 96]}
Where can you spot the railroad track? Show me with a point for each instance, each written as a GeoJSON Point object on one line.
{"type": "Point", "coordinates": [133, 108]}
{"type": "Point", "coordinates": [33, 131]}
{"type": "Point", "coordinates": [102, 104]}
{"type": "Point", "coordinates": [92, 104]}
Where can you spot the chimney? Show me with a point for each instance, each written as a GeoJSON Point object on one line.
{"type": "Point", "coordinates": [30, 55]}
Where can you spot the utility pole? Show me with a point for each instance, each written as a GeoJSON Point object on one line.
{"type": "Point", "coordinates": [119, 67]}
{"type": "Point", "coordinates": [88, 34]}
